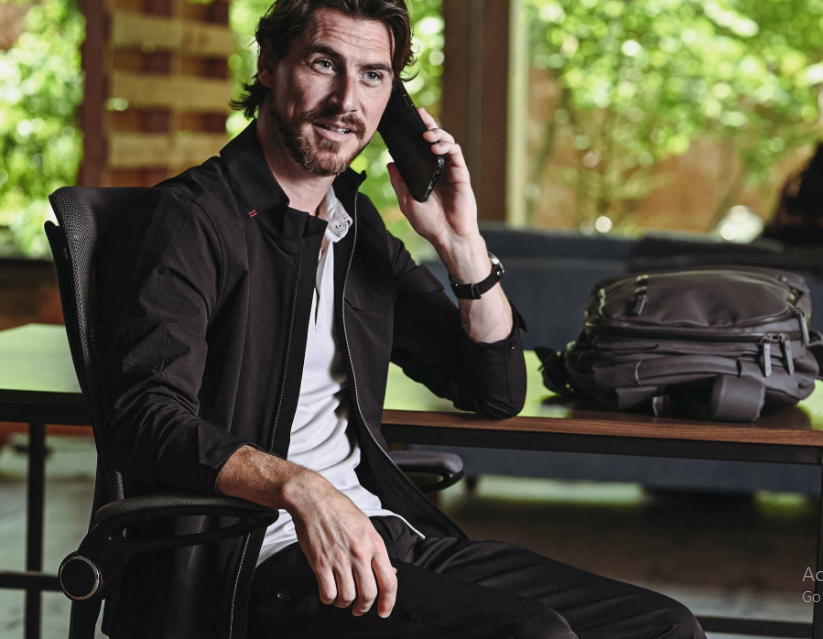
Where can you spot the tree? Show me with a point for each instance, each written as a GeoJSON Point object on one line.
{"type": "Point", "coordinates": [639, 81]}
{"type": "Point", "coordinates": [40, 144]}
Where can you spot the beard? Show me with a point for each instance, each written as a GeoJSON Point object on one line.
{"type": "Point", "coordinates": [326, 159]}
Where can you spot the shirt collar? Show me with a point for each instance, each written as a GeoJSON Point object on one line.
{"type": "Point", "coordinates": [332, 210]}
{"type": "Point", "coordinates": [268, 204]}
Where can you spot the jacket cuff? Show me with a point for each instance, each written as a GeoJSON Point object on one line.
{"type": "Point", "coordinates": [497, 370]}
{"type": "Point", "coordinates": [223, 463]}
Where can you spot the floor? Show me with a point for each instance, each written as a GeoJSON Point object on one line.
{"type": "Point", "coordinates": [735, 556]}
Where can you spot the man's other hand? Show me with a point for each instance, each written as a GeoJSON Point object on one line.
{"type": "Point", "coordinates": [342, 546]}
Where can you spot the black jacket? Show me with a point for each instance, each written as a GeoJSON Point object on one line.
{"type": "Point", "coordinates": [206, 289]}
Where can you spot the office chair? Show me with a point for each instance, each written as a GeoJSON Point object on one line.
{"type": "Point", "coordinates": [87, 575]}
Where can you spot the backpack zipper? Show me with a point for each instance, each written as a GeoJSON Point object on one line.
{"type": "Point", "coordinates": [594, 329]}
{"type": "Point", "coordinates": [804, 327]}
{"type": "Point", "coordinates": [763, 340]}
{"type": "Point", "coordinates": [785, 352]}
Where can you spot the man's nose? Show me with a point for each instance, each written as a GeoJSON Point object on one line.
{"type": "Point", "coordinates": [345, 93]}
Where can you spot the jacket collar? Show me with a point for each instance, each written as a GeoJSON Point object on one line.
{"type": "Point", "coordinates": [268, 204]}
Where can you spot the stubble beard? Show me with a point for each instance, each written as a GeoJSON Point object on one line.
{"type": "Point", "coordinates": [326, 161]}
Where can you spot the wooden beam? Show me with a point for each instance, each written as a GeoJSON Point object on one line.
{"type": "Point", "coordinates": [456, 78]}
{"type": "Point", "coordinates": [475, 95]}
{"type": "Point", "coordinates": [128, 150]}
{"type": "Point", "coordinates": [494, 117]}
{"type": "Point", "coordinates": [178, 93]}
{"type": "Point", "coordinates": [136, 30]}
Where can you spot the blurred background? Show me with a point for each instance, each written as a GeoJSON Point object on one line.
{"type": "Point", "coordinates": [601, 135]}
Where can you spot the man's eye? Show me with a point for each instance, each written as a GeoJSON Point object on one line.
{"type": "Point", "coordinates": [324, 62]}
{"type": "Point", "coordinates": [375, 76]}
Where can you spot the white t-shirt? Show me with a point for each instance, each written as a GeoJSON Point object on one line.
{"type": "Point", "coordinates": [319, 439]}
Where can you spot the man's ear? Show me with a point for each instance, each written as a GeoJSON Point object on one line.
{"type": "Point", "coordinates": [265, 66]}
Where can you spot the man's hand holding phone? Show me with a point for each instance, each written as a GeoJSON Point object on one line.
{"type": "Point", "coordinates": [448, 220]}
{"type": "Point", "coordinates": [449, 215]}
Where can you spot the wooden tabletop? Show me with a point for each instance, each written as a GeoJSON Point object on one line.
{"type": "Point", "coordinates": [410, 403]}
{"type": "Point", "coordinates": [36, 369]}
{"type": "Point", "coordinates": [35, 365]}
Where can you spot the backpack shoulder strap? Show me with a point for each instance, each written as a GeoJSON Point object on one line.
{"type": "Point", "coordinates": [735, 399]}
{"type": "Point", "coordinates": [816, 347]}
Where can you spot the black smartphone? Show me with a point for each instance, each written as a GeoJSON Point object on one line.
{"type": "Point", "coordinates": [402, 130]}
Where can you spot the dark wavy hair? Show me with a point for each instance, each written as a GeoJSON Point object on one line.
{"type": "Point", "coordinates": [287, 19]}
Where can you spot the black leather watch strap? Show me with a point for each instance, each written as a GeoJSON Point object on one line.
{"type": "Point", "coordinates": [474, 291]}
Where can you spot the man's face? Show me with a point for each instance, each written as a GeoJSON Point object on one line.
{"type": "Point", "coordinates": [337, 75]}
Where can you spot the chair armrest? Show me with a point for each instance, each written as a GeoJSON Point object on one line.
{"type": "Point", "coordinates": [446, 465]}
{"type": "Point", "coordinates": [87, 573]}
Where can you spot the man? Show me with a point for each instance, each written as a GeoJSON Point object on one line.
{"type": "Point", "coordinates": [253, 305]}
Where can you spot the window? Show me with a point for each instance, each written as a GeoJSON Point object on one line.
{"type": "Point", "coordinates": [663, 114]}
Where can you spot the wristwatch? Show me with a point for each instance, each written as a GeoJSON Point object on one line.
{"type": "Point", "coordinates": [474, 291]}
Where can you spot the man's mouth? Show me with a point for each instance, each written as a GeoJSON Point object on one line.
{"type": "Point", "coordinates": [333, 128]}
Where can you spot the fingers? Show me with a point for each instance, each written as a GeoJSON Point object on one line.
{"type": "Point", "coordinates": [443, 142]}
{"type": "Point", "coordinates": [438, 136]}
{"type": "Point", "coordinates": [428, 120]}
{"type": "Point", "coordinates": [387, 583]}
{"type": "Point", "coordinates": [326, 585]}
{"type": "Point", "coordinates": [337, 584]}
{"type": "Point", "coordinates": [366, 587]}
{"type": "Point", "coordinates": [434, 134]}
{"type": "Point", "coordinates": [346, 591]}
{"type": "Point", "coordinates": [453, 153]}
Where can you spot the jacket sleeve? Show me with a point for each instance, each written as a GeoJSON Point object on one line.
{"type": "Point", "coordinates": [161, 278]}
{"type": "Point", "coordinates": [431, 346]}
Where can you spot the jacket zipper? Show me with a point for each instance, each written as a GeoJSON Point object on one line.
{"type": "Point", "coordinates": [288, 345]}
{"type": "Point", "coordinates": [282, 388]}
{"type": "Point", "coordinates": [274, 427]}
{"type": "Point", "coordinates": [351, 361]}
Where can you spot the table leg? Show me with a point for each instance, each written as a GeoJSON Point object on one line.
{"type": "Point", "coordinates": [34, 524]}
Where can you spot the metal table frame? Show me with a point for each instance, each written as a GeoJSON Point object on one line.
{"type": "Point", "coordinates": [40, 409]}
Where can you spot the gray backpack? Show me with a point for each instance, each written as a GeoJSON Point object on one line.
{"type": "Point", "coordinates": [716, 343]}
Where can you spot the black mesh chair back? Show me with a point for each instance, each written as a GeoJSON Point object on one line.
{"type": "Point", "coordinates": [84, 215]}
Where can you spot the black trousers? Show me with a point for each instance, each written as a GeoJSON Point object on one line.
{"type": "Point", "coordinates": [452, 588]}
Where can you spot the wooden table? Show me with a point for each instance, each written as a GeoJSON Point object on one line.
{"type": "Point", "coordinates": [414, 415]}
{"type": "Point", "coordinates": [38, 386]}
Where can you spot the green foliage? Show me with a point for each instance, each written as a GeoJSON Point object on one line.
{"type": "Point", "coordinates": [424, 90]}
{"type": "Point", "coordinates": [640, 81]}
{"type": "Point", "coordinates": [40, 145]}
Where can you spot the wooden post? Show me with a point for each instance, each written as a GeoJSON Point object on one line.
{"type": "Point", "coordinates": [476, 92]}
